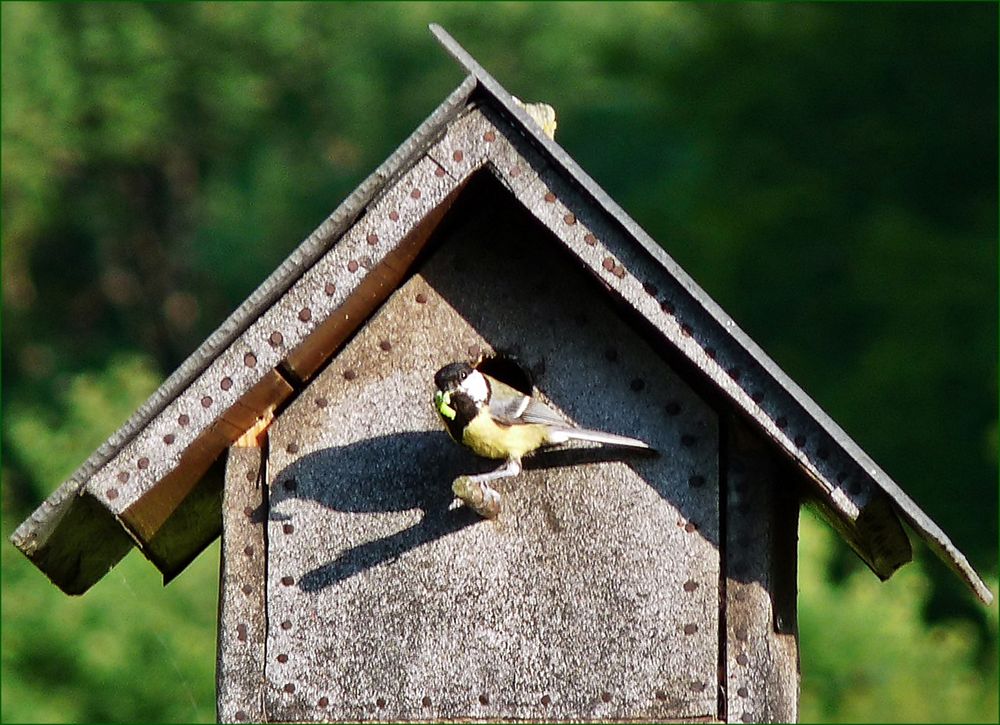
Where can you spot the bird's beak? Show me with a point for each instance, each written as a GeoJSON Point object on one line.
{"type": "Point", "coordinates": [441, 402]}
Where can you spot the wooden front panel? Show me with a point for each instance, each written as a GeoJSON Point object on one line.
{"type": "Point", "coordinates": [595, 593]}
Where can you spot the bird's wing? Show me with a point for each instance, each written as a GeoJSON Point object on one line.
{"type": "Point", "coordinates": [512, 406]}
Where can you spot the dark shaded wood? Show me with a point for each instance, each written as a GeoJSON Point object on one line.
{"type": "Point", "coordinates": [760, 675]}
{"type": "Point", "coordinates": [242, 590]}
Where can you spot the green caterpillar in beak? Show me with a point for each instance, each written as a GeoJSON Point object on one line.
{"type": "Point", "coordinates": [441, 402]}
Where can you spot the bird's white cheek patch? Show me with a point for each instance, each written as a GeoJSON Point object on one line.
{"type": "Point", "coordinates": [475, 387]}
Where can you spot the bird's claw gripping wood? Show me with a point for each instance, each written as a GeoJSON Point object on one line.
{"type": "Point", "coordinates": [478, 496]}
{"type": "Point", "coordinates": [476, 492]}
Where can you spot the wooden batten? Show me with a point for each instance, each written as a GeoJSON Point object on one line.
{"type": "Point", "coordinates": [242, 590]}
{"type": "Point", "coordinates": [760, 672]}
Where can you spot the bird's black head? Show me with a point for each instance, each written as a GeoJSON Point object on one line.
{"type": "Point", "coordinates": [451, 376]}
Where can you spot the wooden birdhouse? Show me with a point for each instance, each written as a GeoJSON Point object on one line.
{"type": "Point", "coordinates": [608, 588]}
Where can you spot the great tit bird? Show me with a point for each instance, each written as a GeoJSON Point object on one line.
{"type": "Point", "coordinates": [495, 420]}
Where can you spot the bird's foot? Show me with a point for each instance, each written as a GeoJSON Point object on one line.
{"type": "Point", "coordinates": [477, 495]}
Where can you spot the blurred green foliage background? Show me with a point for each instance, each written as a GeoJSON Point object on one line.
{"type": "Point", "coordinates": [827, 172]}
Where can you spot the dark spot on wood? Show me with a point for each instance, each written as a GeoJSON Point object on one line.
{"type": "Point", "coordinates": [697, 686]}
{"type": "Point", "coordinates": [286, 624]}
{"type": "Point", "coordinates": [122, 476]}
{"type": "Point", "coordinates": [546, 700]}
{"type": "Point", "coordinates": [287, 528]}
{"type": "Point", "coordinates": [550, 197]}
{"type": "Point", "coordinates": [349, 374]}
{"type": "Point", "coordinates": [484, 699]}
{"type": "Point", "coordinates": [143, 463]}
{"type": "Point", "coordinates": [241, 633]}
{"type": "Point", "coordinates": [710, 351]}
{"type": "Point", "coordinates": [385, 345]}
{"type": "Point", "coordinates": [112, 494]}
{"type": "Point", "coordinates": [489, 137]}
{"type": "Point", "coordinates": [226, 383]}
{"type": "Point", "coordinates": [690, 629]}
{"type": "Point", "coordinates": [380, 702]}
{"type": "Point", "coordinates": [687, 330]}
{"type": "Point", "coordinates": [590, 239]}
{"type": "Point", "coordinates": [292, 448]}
{"type": "Point", "coordinates": [323, 701]}
{"type": "Point", "coordinates": [206, 402]}
{"type": "Point", "coordinates": [605, 696]}
{"type": "Point", "coordinates": [742, 692]}
{"type": "Point", "coordinates": [248, 511]}
{"type": "Point", "coordinates": [394, 215]}
{"type": "Point", "coordinates": [661, 695]}
{"type": "Point", "coordinates": [618, 271]}
{"type": "Point", "coordinates": [305, 314]}
{"type": "Point", "coordinates": [329, 288]}
{"type": "Point", "coordinates": [415, 194]}
{"type": "Point", "coordinates": [287, 581]}
{"type": "Point", "coordinates": [321, 402]}
{"type": "Point", "coordinates": [282, 659]}
{"type": "Point", "coordinates": [290, 687]}
{"type": "Point", "coordinates": [742, 659]}
{"type": "Point", "coordinates": [457, 155]}
{"type": "Point", "coordinates": [248, 551]}
{"type": "Point", "coordinates": [276, 339]}
{"type": "Point", "coordinates": [240, 715]}
{"type": "Point", "coordinates": [690, 527]}
{"type": "Point", "coordinates": [608, 264]}
{"type": "Point", "coordinates": [741, 634]}
{"type": "Point", "coordinates": [352, 266]}
{"type": "Point", "coordinates": [425, 701]}
{"type": "Point", "coordinates": [372, 239]}
{"type": "Point", "coordinates": [690, 585]}
{"type": "Point", "coordinates": [421, 298]}
{"type": "Point", "coordinates": [247, 589]}
{"type": "Point", "coordinates": [667, 306]}
{"type": "Point", "coordinates": [570, 219]}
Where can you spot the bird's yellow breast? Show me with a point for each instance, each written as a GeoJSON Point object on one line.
{"type": "Point", "coordinates": [485, 437]}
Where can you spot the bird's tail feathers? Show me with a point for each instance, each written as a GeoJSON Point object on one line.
{"type": "Point", "coordinates": [561, 435]}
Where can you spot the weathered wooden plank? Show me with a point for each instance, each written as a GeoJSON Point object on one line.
{"type": "Point", "coordinates": [761, 637]}
{"type": "Point", "coordinates": [242, 620]}
{"type": "Point", "coordinates": [400, 221]}
{"type": "Point", "coordinates": [593, 596]}
{"type": "Point", "coordinates": [155, 502]}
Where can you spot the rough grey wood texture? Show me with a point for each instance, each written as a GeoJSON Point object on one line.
{"type": "Point", "coordinates": [761, 524]}
{"type": "Point", "coordinates": [242, 619]}
{"type": "Point", "coordinates": [205, 404]}
{"type": "Point", "coordinates": [145, 484]}
{"type": "Point", "coordinates": [844, 476]}
{"type": "Point", "coordinates": [594, 595]}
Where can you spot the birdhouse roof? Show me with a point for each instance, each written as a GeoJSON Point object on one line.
{"type": "Point", "coordinates": [154, 483]}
